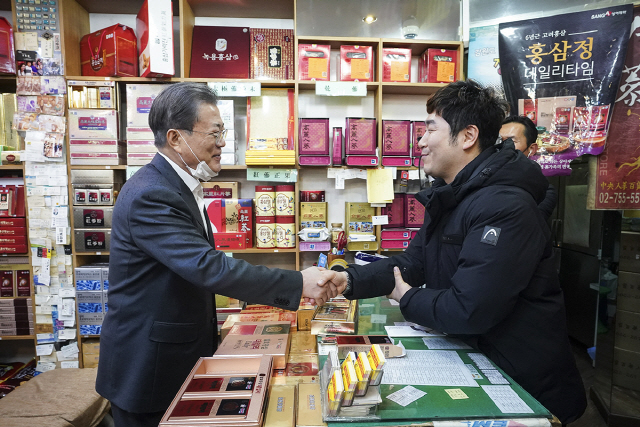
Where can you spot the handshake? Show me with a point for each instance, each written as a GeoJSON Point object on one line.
{"type": "Point", "coordinates": [319, 284]}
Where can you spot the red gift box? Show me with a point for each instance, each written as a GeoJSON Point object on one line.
{"type": "Point", "coordinates": [418, 128]}
{"type": "Point", "coordinates": [23, 283]}
{"type": "Point", "coordinates": [395, 234]}
{"type": "Point", "coordinates": [232, 215]}
{"type": "Point", "coordinates": [313, 137]}
{"type": "Point", "coordinates": [220, 52]}
{"type": "Point", "coordinates": [395, 212]}
{"type": "Point", "coordinates": [271, 54]}
{"type": "Point", "coordinates": [7, 56]}
{"type": "Point", "coordinates": [314, 62]}
{"type": "Point", "coordinates": [396, 64]}
{"type": "Point", "coordinates": [230, 241]}
{"type": "Point", "coordinates": [413, 212]}
{"type": "Point", "coordinates": [439, 66]}
{"type": "Point", "coordinates": [394, 244]}
{"type": "Point", "coordinates": [110, 52]}
{"type": "Point", "coordinates": [396, 137]}
{"type": "Point", "coordinates": [360, 136]}
{"type": "Point", "coordinates": [356, 63]}
{"type": "Point", "coordinates": [155, 39]}
{"type": "Point", "coordinates": [336, 155]}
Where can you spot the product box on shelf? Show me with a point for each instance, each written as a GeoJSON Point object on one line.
{"type": "Point", "coordinates": [96, 159]}
{"type": "Point", "coordinates": [221, 190]}
{"type": "Point", "coordinates": [337, 157]}
{"type": "Point", "coordinates": [356, 63]}
{"type": "Point", "coordinates": [93, 124]}
{"type": "Point", "coordinates": [139, 159]}
{"type": "Point", "coordinates": [90, 323]}
{"type": "Point", "coordinates": [154, 27]}
{"type": "Point", "coordinates": [314, 160]}
{"type": "Point", "coordinates": [413, 212]}
{"type": "Point", "coordinates": [141, 146]}
{"type": "Point", "coordinates": [230, 241]}
{"type": "Point", "coordinates": [9, 107]}
{"type": "Point", "coordinates": [396, 64]}
{"type": "Point", "coordinates": [139, 133]}
{"type": "Point", "coordinates": [92, 240]}
{"type": "Point", "coordinates": [313, 214]}
{"type": "Point", "coordinates": [271, 54]}
{"type": "Point", "coordinates": [396, 138]}
{"type": "Point", "coordinates": [313, 137]}
{"type": "Point", "coordinates": [362, 160]}
{"type": "Point", "coordinates": [92, 216]}
{"type": "Point", "coordinates": [396, 161]}
{"type": "Point", "coordinates": [7, 287]}
{"type": "Point", "coordinates": [232, 215]}
{"type": "Point", "coordinates": [314, 62]}
{"type": "Point", "coordinates": [312, 195]}
{"type": "Point", "coordinates": [23, 283]}
{"type": "Point", "coordinates": [359, 226]}
{"type": "Point", "coordinates": [395, 212]}
{"type": "Point", "coordinates": [7, 56]}
{"type": "Point", "coordinates": [89, 302]}
{"type": "Point", "coordinates": [220, 52]}
{"type": "Point", "coordinates": [88, 278]}
{"type": "Point", "coordinates": [110, 52]}
{"type": "Point", "coordinates": [439, 66]}
{"type": "Point", "coordinates": [83, 94]}
{"type": "Point", "coordinates": [418, 129]}
{"type": "Point", "coordinates": [395, 244]}
{"type": "Point", "coordinates": [360, 136]}
{"type": "Point", "coordinates": [139, 100]}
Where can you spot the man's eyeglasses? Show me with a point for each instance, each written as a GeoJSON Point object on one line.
{"type": "Point", "coordinates": [217, 137]}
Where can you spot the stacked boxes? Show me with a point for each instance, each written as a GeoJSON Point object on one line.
{"type": "Point", "coordinates": [402, 224]}
{"type": "Point", "coordinates": [92, 283]}
{"type": "Point", "coordinates": [16, 317]}
{"type": "Point", "coordinates": [360, 231]}
{"type": "Point", "coordinates": [90, 352]}
{"type": "Point", "coordinates": [15, 283]}
{"type": "Point", "coordinates": [93, 137]}
{"type": "Point", "coordinates": [140, 140]}
{"type": "Point", "coordinates": [13, 229]}
{"type": "Point", "coordinates": [93, 198]}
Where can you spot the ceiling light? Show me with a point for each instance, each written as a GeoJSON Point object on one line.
{"type": "Point", "coordinates": [369, 19]}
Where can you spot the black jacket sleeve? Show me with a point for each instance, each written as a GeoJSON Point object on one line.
{"type": "Point", "coordinates": [549, 203]}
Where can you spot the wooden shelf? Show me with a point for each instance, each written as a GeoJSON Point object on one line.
{"type": "Point", "coordinates": [126, 79]}
{"type": "Point", "coordinates": [411, 88]}
{"type": "Point", "coordinates": [234, 167]}
{"type": "Point", "coordinates": [273, 9]}
{"type": "Point", "coordinates": [311, 85]}
{"type": "Point", "coordinates": [118, 6]}
{"type": "Point", "coordinates": [12, 167]}
{"type": "Point", "coordinates": [91, 253]}
{"type": "Point", "coordinates": [262, 251]}
{"type": "Point", "coordinates": [419, 46]}
{"type": "Point", "coordinates": [17, 337]}
{"type": "Point", "coordinates": [336, 42]}
{"type": "Point", "coordinates": [100, 167]}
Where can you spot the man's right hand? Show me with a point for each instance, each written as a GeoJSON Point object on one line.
{"type": "Point", "coordinates": [318, 285]}
{"type": "Point", "coordinates": [339, 281]}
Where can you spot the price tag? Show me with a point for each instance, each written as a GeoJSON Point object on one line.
{"type": "Point", "coordinates": [236, 89]}
{"type": "Point", "coordinates": [273, 175]}
{"type": "Point", "coordinates": [341, 88]}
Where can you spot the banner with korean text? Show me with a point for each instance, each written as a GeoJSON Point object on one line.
{"type": "Point", "coordinates": [563, 73]}
{"type": "Point", "coordinates": [614, 179]}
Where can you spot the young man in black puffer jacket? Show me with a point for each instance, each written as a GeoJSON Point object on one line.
{"type": "Point", "coordinates": [484, 252]}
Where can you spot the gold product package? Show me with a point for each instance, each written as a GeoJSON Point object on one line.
{"type": "Point", "coordinates": [335, 317]}
{"type": "Point", "coordinates": [309, 406]}
{"type": "Point", "coordinates": [222, 391]}
{"type": "Point", "coordinates": [281, 410]}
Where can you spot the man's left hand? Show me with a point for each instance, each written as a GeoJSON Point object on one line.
{"type": "Point", "coordinates": [401, 286]}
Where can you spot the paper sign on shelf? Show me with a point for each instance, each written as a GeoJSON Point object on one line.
{"type": "Point", "coordinates": [225, 89]}
{"type": "Point", "coordinates": [341, 88]}
{"type": "Point", "coordinates": [272, 175]}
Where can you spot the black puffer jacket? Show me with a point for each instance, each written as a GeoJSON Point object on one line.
{"type": "Point", "coordinates": [497, 289]}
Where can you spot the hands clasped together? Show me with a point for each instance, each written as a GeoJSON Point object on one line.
{"type": "Point", "coordinates": [319, 284]}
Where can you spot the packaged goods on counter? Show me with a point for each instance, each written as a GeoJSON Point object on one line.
{"type": "Point", "coordinates": [281, 410]}
{"type": "Point", "coordinates": [335, 393]}
{"type": "Point", "coordinates": [349, 379]}
{"type": "Point", "coordinates": [376, 361]}
{"type": "Point", "coordinates": [363, 373]}
{"type": "Point", "coordinates": [309, 406]}
{"type": "Point", "coordinates": [338, 316]}
{"type": "Point", "coordinates": [276, 345]}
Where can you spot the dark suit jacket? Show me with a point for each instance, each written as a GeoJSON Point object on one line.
{"type": "Point", "coordinates": [162, 273]}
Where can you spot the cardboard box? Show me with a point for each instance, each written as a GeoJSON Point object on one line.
{"type": "Point", "coordinates": [10, 158]}
{"type": "Point", "coordinates": [93, 124]}
{"type": "Point", "coordinates": [90, 323]}
{"type": "Point", "coordinates": [154, 27]}
{"type": "Point", "coordinates": [360, 136]}
{"type": "Point", "coordinates": [396, 138]}
{"type": "Point", "coordinates": [313, 214]}
{"type": "Point", "coordinates": [88, 278]}
{"type": "Point", "coordinates": [628, 330]}
{"type": "Point", "coordinates": [396, 64]}
{"type": "Point", "coordinates": [361, 160]}
{"type": "Point", "coordinates": [441, 65]}
{"type": "Point", "coordinates": [12, 222]}
{"type": "Point", "coordinates": [90, 360]}
{"type": "Point", "coordinates": [395, 234]}
{"type": "Point", "coordinates": [271, 54]}
{"type": "Point", "coordinates": [110, 52]}
{"type": "Point", "coordinates": [309, 406]}
{"type": "Point", "coordinates": [232, 215]}
{"type": "Point", "coordinates": [628, 291]}
{"type": "Point", "coordinates": [91, 346]}
{"type": "Point", "coordinates": [630, 252]}
{"type": "Point", "coordinates": [281, 410]}
{"type": "Point", "coordinates": [13, 249]}
{"type": "Point", "coordinates": [139, 101]}
{"type": "Point", "coordinates": [96, 159]}
{"type": "Point", "coordinates": [314, 62]}
{"type": "Point", "coordinates": [255, 317]}
{"type": "Point", "coordinates": [356, 63]}
{"type": "Point", "coordinates": [396, 161]}
{"type": "Point", "coordinates": [413, 212]}
{"type": "Point", "coordinates": [230, 241]}
{"type": "Point", "coordinates": [626, 369]}
{"type": "Point", "coordinates": [220, 52]}
{"type": "Point", "coordinates": [313, 137]}
{"type": "Point", "coordinates": [89, 302]}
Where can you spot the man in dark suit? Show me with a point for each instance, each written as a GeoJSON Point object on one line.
{"type": "Point", "coordinates": [164, 267]}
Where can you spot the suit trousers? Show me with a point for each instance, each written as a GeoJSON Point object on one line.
{"type": "Point", "coordinates": [122, 418]}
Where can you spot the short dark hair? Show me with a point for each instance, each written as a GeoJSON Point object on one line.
{"type": "Point", "coordinates": [465, 103]}
{"type": "Point", "coordinates": [177, 108]}
{"type": "Point", "coordinates": [530, 131]}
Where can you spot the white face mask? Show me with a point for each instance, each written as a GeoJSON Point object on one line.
{"type": "Point", "coordinates": [202, 171]}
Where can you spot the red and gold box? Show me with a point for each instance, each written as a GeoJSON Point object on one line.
{"type": "Point", "coordinates": [395, 212]}
{"type": "Point", "coordinates": [220, 52]}
{"type": "Point", "coordinates": [396, 137]}
{"type": "Point", "coordinates": [232, 215]}
{"type": "Point", "coordinates": [313, 137]}
{"type": "Point", "coordinates": [413, 211]}
{"type": "Point", "coordinates": [7, 56]}
{"type": "Point", "coordinates": [7, 289]}
{"type": "Point", "coordinates": [439, 66]}
{"type": "Point", "coordinates": [230, 241]}
{"type": "Point", "coordinates": [360, 136]}
{"type": "Point", "coordinates": [23, 283]}
{"type": "Point", "coordinates": [271, 54]}
{"type": "Point", "coordinates": [356, 63]}
{"type": "Point", "coordinates": [154, 26]}
{"type": "Point", "coordinates": [314, 62]}
{"type": "Point", "coordinates": [396, 64]}
{"type": "Point", "coordinates": [110, 52]}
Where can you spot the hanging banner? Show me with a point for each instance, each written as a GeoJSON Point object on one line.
{"type": "Point", "coordinates": [615, 182]}
{"type": "Point", "coordinates": [484, 63]}
{"type": "Point", "coordinates": [563, 73]}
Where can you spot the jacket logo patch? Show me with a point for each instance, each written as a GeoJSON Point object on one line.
{"type": "Point", "coordinates": [490, 235]}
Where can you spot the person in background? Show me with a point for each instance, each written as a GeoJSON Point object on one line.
{"type": "Point", "coordinates": [483, 253]}
{"type": "Point", "coordinates": [524, 135]}
{"type": "Point", "coordinates": [164, 268]}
